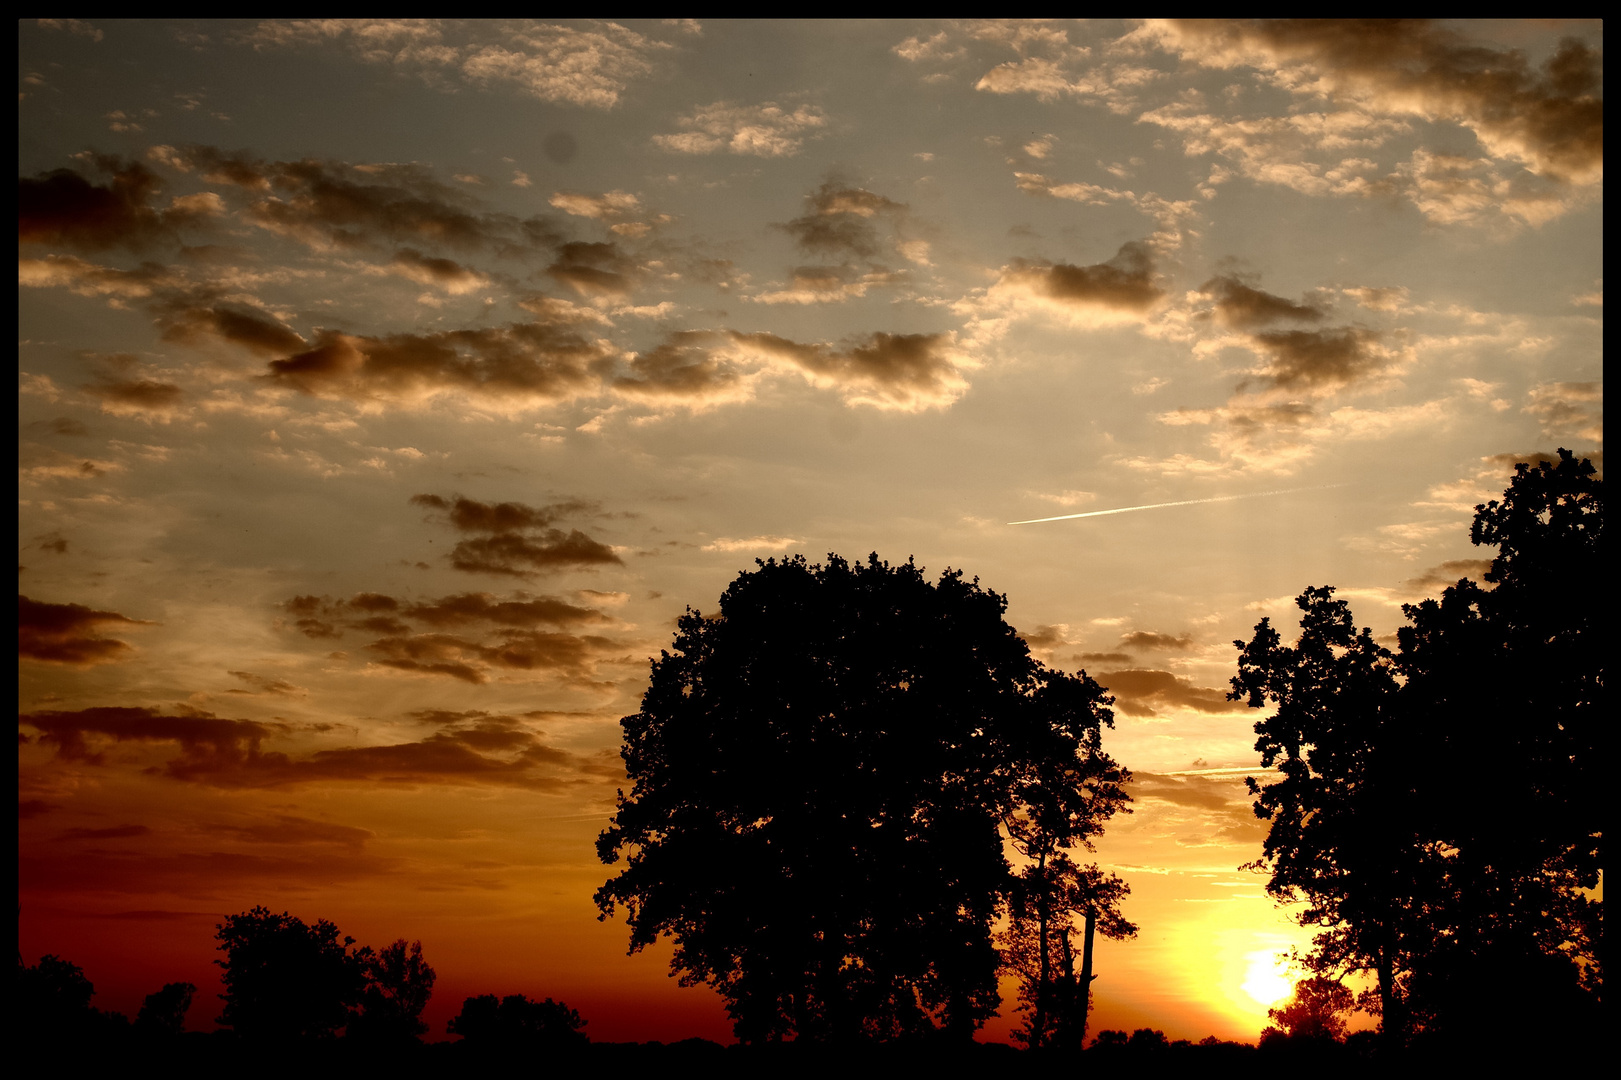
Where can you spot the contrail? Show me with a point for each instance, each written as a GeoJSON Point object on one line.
{"type": "Point", "coordinates": [1180, 502]}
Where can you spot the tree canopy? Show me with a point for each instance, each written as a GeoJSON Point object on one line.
{"type": "Point", "coordinates": [823, 771]}
{"type": "Point", "coordinates": [1437, 808]}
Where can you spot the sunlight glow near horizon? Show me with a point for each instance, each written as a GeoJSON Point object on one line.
{"type": "Point", "coordinates": [1267, 977]}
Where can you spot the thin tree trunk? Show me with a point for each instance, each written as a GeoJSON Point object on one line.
{"type": "Point", "coordinates": [1038, 1025]}
{"type": "Point", "coordinates": [1086, 974]}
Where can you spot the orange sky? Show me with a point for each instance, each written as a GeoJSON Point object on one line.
{"type": "Point", "coordinates": [388, 389]}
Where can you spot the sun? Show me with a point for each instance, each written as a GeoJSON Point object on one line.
{"type": "Point", "coordinates": [1266, 979]}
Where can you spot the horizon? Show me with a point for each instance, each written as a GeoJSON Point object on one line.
{"type": "Point", "coordinates": [388, 389]}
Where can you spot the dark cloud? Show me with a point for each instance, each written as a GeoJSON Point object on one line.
{"type": "Point", "coordinates": [1102, 658]}
{"type": "Point", "coordinates": [69, 633]}
{"type": "Point", "coordinates": [686, 367]}
{"type": "Point", "coordinates": [524, 556]}
{"type": "Point", "coordinates": [1243, 307]}
{"type": "Point", "coordinates": [259, 684]}
{"type": "Point", "coordinates": [291, 829]}
{"type": "Point", "coordinates": [205, 739]}
{"type": "Point", "coordinates": [62, 208]}
{"type": "Point", "coordinates": [1126, 284]}
{"type": "Point", "coordinates": [521, 540]}
{"type": "Point", "coordinates": [1440, 577]}
{"type": "Point", "coordinates": [573, 656]}
{"type": "Point", "coordinates": [465, 608]}
{"type": "Point", "coordinates": [593, 269]}
{"type": "Point", "coordinates": [257, 331]}
{"type": "Point", "coordinates": [115, 832]}
{"type": "Point", "coordinates": [1201, 792]}
{"type": "Point", "coordinates": [447, 274]}
{"type": "Point", "coordinates": [839, 221]}
{"type": "Point", "coordinates": [1310, 359]}
{"type": "Point", "coordinates": [1143, 692]}
{"type": "Point", "coordinates": [1551, 119]}
{"type": "Point", "coordinates": [905, 371]}
{"type": "Point", "coordinates": [62, 425]}
{"type": "Point", "coordinates": [524, 364]}
{"type": "Point", "coordinates": [227, 753]}
{"type": "Point", "coordinates": [27, 809]}
{"type": "Point", "coordinates": [469, 515]}
{"type": "Point", "coordinates": [136, 395]}
{"type": "Point", "coordinates": [1147, 639]}
{"type": "Point", "coordinates": [323, 617]}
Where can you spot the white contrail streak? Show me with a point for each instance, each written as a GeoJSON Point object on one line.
{"type": "Point", "coordinates": [1180, 502]}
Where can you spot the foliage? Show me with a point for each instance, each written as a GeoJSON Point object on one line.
{"type": "Point", "coordinates": [1039, 945]}
{"type": "Point", "coordinates": [53, 1004]}
{"type": "Point", "coordinates": [285, 981]}
{"type": "Point", "coordinates": [398, 985]}
{"type": "Point", "coordinates": [822, 771]}
{"type": "Point", "coordinates": [1418, 854]}
{"type": "Point", "coordinates": [486, 1021]}
{"type": "Point", "coordinates": [163, 1014]}
{"type": "Point", "coordinates": [1316, 1010]}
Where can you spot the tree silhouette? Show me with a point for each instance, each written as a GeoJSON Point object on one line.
{"type": "Point", "coordinates": [515, 1022]}
{"type": "Point", "coordinates": [1039, 944]}
{"type": "Point", "coordinates": [822, 772]}
{"type": "Point", "coordinates": [285, 981]}
{"type": "Point", "coordinates": [53, 1005]}
{"type": "Point", "coordinates": [1316, 1010]}
{"type": "Point", "coordinates": [398, 985]}
{"type": "Point", "coordinates": [163, 1014]}
{"type": "Point", "coordinates": [1419, 855]}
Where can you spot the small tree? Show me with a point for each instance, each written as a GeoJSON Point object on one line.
{"type": "Point", "coordinates": [285, 981]}
{"type": "Point", "coordinates": [515, 1021]}
{"type": "Point", "coordinates": [1039, 945]}
{"type": "Point", "coordinates": [398, 985]}
{"type": "Point", "coordinates": [1317, 1010]}
{"type": "Point", "coordinates": [163, 1014]}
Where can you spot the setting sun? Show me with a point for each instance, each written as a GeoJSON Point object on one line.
{"type": "Point", "coordinates": [1266, 979]}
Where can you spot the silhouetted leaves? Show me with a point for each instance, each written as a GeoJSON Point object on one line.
{"type": "Point", "coordinates": [1439, 809]}
{"type": "Point", "coordinates": [822, 771]}
{"type": "Point", "coordinates": [514, 1022]}
{"type": "Point", "coordinates": [285, 981]}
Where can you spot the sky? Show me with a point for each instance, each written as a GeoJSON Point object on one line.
{"type": "Point", "coordinates": [388, 389]}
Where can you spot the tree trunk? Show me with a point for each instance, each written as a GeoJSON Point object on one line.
{"type": "Point", "coordinates": [1038, 1023]}
{"type": "Point", "coordinates": [1086, 974]}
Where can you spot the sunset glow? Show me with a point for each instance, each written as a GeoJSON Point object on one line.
{"type": "Point", "coordinates": [389, 389]}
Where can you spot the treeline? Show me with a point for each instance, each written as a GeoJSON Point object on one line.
{"type": "Point", "coordinates": [302, 992]}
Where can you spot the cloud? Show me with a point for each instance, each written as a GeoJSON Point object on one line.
{"type": "Point", "coordinates": [64, 209]}
{"type": "Point", "coordinates": [133, 397]}
{"type": "Point", "coordinates": [1142, 692]}
{"type": "Point", "coordinates": [839, 220]}
{"type": "Point", "coordinates": [446, 274]}
{"type": "Point", "coordinates": [1241, 306]}
{"type": "Point", "coordinates": [292, 829]}
{"type": "Point", "coordinates": [1307, 359]}
{"type": "Point", "coordinates": [753, 543]}
{"type": "Point", "coordinates": [905, 372]}
{"type": "Point", "coordinates": [260, 684]}
{"type": "Point", "coordinates": [607, 206]}
{"type": "Point", "coordinates": [1147, 639]}
{"type": "Point", "coordinates": [72, 26]}
{"type": "Point", "coordinates": [766, 130]}
{"type": "Point", "coordinates": [229, 754]}
{"type": "Point", "coordinates": [69, 633]}
{"type": "Point", "coordinates": [1447, 574]}
{"type": "Point", "coordinates": [1569, 408]}
{"type": "Point", "coordinates": [254, 329]}
{"type": "Point", "coordinates": [521, 365]}
{"type": "Point", "coordinates": [588, 66]}
{"type": "Point", "coordinates": [1199, 792]}
{"type": "Point", "coordinates": [521, 540]}
{"type": "Point", "coordinates": [115, 832]}
{"type": "Point", "coordinates": [1551, 120]}
{"type": "Point", "coordinates": [1123, 289]}
{"type": "Point", "coordinates": [687, 368]}
{"type": "Point", "coordinates": [593, 269]}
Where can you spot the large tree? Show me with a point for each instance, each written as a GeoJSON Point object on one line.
{"type": "Point", "coordinates": [1437, 809]}
{"type": "Point", "coordinates": [823, 770]}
